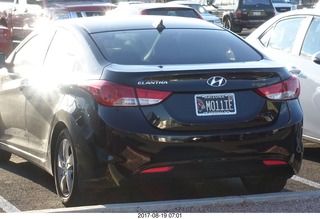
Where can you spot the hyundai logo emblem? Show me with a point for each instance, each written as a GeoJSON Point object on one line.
{"type": "Point", "coordinates": [216, 81]}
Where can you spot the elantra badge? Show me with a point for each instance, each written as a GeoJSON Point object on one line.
{"type": "Point", "coordinates": [216, 81]}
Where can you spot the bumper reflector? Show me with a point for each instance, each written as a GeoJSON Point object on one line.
{"type": "Point", "coordinates": [274, 162]}
{"type": "Point", "coordinates": [157, 170]}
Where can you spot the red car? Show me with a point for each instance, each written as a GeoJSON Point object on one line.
{"type": "Point", "coordinates": [5, 40]}
{"type": "Point", "coordinates": [21, 17]}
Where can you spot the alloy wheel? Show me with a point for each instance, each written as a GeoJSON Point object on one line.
{"type": "Point", "coordinates": [65, 168]}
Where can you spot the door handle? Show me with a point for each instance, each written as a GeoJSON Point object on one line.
{"type": "Point", "coordinates": [294, 70]}
{"type": "Point", "coordinates": [24, 84]}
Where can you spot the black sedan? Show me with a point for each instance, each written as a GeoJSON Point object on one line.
{"type": "Point", "coordinates": [126, 100]}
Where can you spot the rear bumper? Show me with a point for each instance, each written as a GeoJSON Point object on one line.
{"type": "Point", "coordinates": [128, 157]}
{"type": "Point", "coordinates": [248, 23]}
{"type": "Point", "coordinates": [202, 161]}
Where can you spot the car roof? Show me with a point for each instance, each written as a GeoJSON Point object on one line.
{"type": "Point", "coordinates": [143, 6]}
{"type": "Point", "coordinates": [120, 4]}
{"type": "Point", "coordinates": [130, 22]}
{"type": "Point", "coordinates": [185, 2]}
{"type": "Point", "coordinates": [275, 19]}
{"type": "Point", "coordinates": [306, 12]}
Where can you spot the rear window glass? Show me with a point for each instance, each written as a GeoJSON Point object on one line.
{"type": "Point", "coordinates": [256, 2]}
{"type": "Point", "coordinates": [171, 12]}
{"type": "Point", "coordinates": [174, 46]}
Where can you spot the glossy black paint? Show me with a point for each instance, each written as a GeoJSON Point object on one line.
{"type": "Point", "coordinates": [115, 144]}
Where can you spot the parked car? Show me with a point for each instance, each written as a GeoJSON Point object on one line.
{"type": "Point", "coordinates": [135, 99]}
{"type": "Point", "coordinates": [121, 3]}
{"type": "Point", "coordinates": [293, 39]}
{"type": "Point", "coordinates": [23, 16]}
{"type": "Point", "coordinates": [281, 6]}
{"type": "Point", "coordinates": [238, 14]}
{"type": "Point", "coordinates": [204, 13]}
{"type": "Point", "coordinates": [316, 6]}
{"type": "Point", "coordinates": [5, 40]}
{"type": "Point", "coordinates": [155, 9]}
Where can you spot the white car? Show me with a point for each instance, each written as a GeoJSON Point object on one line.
{"type": "Point", "coordinates": [281, 6]}
{"type": "Point", "coordinates": [293, 40]}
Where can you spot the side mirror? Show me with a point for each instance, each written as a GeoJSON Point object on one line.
{"type": "Point", "coordinates": [2, 59]}
{"type": "Point", "coordinates": [316, 58]}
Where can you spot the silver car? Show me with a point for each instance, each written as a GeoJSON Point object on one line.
{"type": "Point", "coordinates": [293, 39]}
{"type": "Point", "coordinates": [204, 12]}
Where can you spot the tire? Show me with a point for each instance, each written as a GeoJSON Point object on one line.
{"type": "Point", "coordinates": [264, 184]}
{"type": "Point", "coordinates": [4, 156]}
{"type": "Point", "coordinates": [65, 172]}
{"type": "Point", "coordinates": [227, 23]}
{"type": "Point", "coordinates": [3, 22]}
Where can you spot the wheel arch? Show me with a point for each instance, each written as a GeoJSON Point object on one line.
{"type": "Point", "coordinates": [55, 134]}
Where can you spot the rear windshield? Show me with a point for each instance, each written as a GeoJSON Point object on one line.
{"type": "Point", "coordinates": [181, 12]}
{"type": "Point", "coordinates": [256, 2]}
{"type": "Point", "coordinates": [173, 46]}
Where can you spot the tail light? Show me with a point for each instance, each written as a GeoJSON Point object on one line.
{"type": "Point", "coordinates": [274, 162]}
{"type": "Point", "coordinates": [288, 89]}
{"type": "Point", "coordinates": [157, 170]}
{"type": "Point", "coordinates": [144, 12]}
{"type": "Point", "coordinates": [239, 13]}
{"type": "Point", "coordinates": [6, 34]}
{"type": "Point", "coordinates": [112, 94]}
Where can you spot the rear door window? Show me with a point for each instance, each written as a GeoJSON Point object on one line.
{"type": "Point", "coordinates": [311, 44]}
{"type": "Point", "coordinates": [283, 35]}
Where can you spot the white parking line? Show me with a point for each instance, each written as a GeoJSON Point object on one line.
{"type": "Point", "coordinates": [7, 206]}
{"type": "Point", "coordinates": [306, 181]}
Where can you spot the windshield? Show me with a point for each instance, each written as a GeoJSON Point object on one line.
{"type": "Point", "coordinates": [173, 46]}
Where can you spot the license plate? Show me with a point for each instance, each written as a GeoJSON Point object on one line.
{"type": "Point", "coordinates": [215, 104]}
{"type": "Point", "coordinates": [256, 13]}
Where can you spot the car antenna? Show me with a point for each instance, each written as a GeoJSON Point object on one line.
{"type": "Point", "coordinates": [160, 27]}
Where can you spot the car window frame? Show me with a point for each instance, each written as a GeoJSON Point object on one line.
{"type": "Point", "coordinates": [32, 64]}
{"type": "Point", "coordinates": [307, 28]}
{"type": "Point", "coordinates": [296, 48]}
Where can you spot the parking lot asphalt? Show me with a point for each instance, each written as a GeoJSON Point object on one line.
{"type": "Point", "coordinates": [283, 202]}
